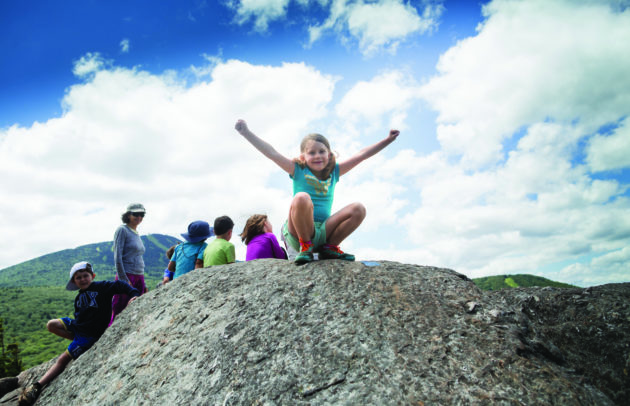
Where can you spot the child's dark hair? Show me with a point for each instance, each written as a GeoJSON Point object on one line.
{"type": "Point", "coordinates": [254, 226]}
{"type": "Point", "coordinates": [171, 251]}
{"type": "Point", "coordinates": [222, 225]}
{"type": "Point", "coordinates": [331, 157]}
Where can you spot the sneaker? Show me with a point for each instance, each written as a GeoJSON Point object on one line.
{"type": "Point", "coordinates": [304, 257]}
{"type": "Point", "coordinates": [333, 252]}
{"type": "Point", "coordinates": [30, 394]}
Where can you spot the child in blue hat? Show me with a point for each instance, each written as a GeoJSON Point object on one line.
{"type": "Point", "coordinates": [189, 255]}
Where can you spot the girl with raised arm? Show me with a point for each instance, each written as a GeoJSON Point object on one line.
{"type": "Point", "coordinates": [315, 172]}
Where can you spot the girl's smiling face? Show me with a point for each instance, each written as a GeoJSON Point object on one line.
{"type": "Point", "coordinates": [316, 155]}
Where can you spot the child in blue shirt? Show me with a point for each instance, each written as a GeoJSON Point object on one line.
{"type": "Point", "coordinates": [189, 255]}
{"type": "Point", "coordinates": [92, 313]}
{"type": "Point", "coordinates": [311, 226]}
{"type": "Point", "coordinates": [168, 274]}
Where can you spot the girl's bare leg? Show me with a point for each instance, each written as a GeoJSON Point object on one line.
{"type": "Point", "coordinates": [301, 217]}
{"type": "Point", "coordinates": [341, 224]}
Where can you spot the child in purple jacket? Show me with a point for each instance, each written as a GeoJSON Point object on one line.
{"type": "Point", "coordinates": [260, 240]}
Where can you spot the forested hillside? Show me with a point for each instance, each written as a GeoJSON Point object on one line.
{"type": "Point", "coordinates": [516, 281]}
{"type": "Point", "coordinates": [52, 269]}
{"type": "Point", "coordinates": [25, 312]}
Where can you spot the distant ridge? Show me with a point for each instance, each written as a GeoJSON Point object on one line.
{"type": "Point", "coordinates": [52, 269]}
{"type": "Point", "coordinates": [517, 281]}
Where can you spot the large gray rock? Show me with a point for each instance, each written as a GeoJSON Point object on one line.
{"type": "Point", "coordinates": [271, 333]}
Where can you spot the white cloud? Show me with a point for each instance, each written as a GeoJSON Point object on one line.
{"type": "Point", "coordinates": [549, 73]}
{"type": "Point", "coordinates": [384, 24]}
{"type": "Point", "coordinates": [611, 267]}
{"type": "Point", "coordinates": [125, 45]}
{"type": "Point", "coordinates": [381, 195]}
{"type": "Point", "coordinates": [376, 25]}
{"type": "Point", "coordinates": [618, 257]}
{"type": "Point", "coordinates": [127, 135]}
{"type": "Point", "coordinates": [261, 11]}
{"type": "Point", "coordinates": [610, 152]}
{"type": "Point", "coordinates": [390, 93]}
{"type": "Point", "coordinates": [535, 210]}
{"type": "Point", "coordinates": [204, 72]}
{"type": "Point", "coordinates": [89, 64]}
{"type": "Point", "coordinates": [531, 61]}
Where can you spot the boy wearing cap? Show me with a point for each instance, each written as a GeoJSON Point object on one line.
{"type": "Point", "coordinates": [221, 250]}
{"type": "Point", "coordinates": [189, 255]}
{"type": "Point", "coordinates": [92, 312]}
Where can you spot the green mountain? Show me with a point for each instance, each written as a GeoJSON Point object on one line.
{"type": "Point", "coordinates": [516, 281]}
{"type": "Point", "coordinates": [52, 269]}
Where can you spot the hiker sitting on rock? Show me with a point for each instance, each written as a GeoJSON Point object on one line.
{"type": "Point", "coordinates": [221, 250]}
{"type": "Point", "coordinates": [92, 312]}
{"type": "Point", "coordinates": [260, 240]}
{"type": "Point", "coordinates": [189, 255]}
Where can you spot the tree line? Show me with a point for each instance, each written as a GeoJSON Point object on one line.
{"type": "Point", "coordinates": [10, 361]}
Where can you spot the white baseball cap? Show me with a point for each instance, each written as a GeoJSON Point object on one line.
{"type": "Point", "coordinates": [136, 208]}
{"type": "Point", "coordinates": [79, 266]}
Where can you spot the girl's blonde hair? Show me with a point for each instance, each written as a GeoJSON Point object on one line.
{"type": "Point", "coordinates": [254, 226]}
{"type": "Point", "coordinates": [331, 157]}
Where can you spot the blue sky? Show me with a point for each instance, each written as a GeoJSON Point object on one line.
{"type": "Point", "coordinates": [514, 154]}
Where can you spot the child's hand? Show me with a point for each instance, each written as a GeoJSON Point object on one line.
{"type": "Point", "coordinates": [241, 126]}
{"type": "Point", "coordinates": [132, 299]}
{"type": "Point", "coordinates": [393, 134]}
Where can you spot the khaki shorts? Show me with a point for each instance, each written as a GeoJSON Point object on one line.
{"type": "Point", "coordinates": [318, 239]}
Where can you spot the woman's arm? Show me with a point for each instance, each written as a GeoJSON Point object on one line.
{"type": "Point", "coordinates": [119, 244]}
{"type": "Point", "coordinates": [264, 147]}
{"type": "Point", "coordinates": [367, 152]}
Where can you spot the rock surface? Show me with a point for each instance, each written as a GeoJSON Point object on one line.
{"type": "Point", "coordinates": [270, 333]}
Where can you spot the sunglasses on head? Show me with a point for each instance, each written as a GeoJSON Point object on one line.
{"type": "Point", "coordinates": [139, 214]}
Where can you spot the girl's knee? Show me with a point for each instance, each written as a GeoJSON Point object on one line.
{"type": "Point", "coordinates": [302, 196]}
{"type": "Point", "coordinates": [301, 199]}
{"type": "Point", "coordinates": [358, 210]}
